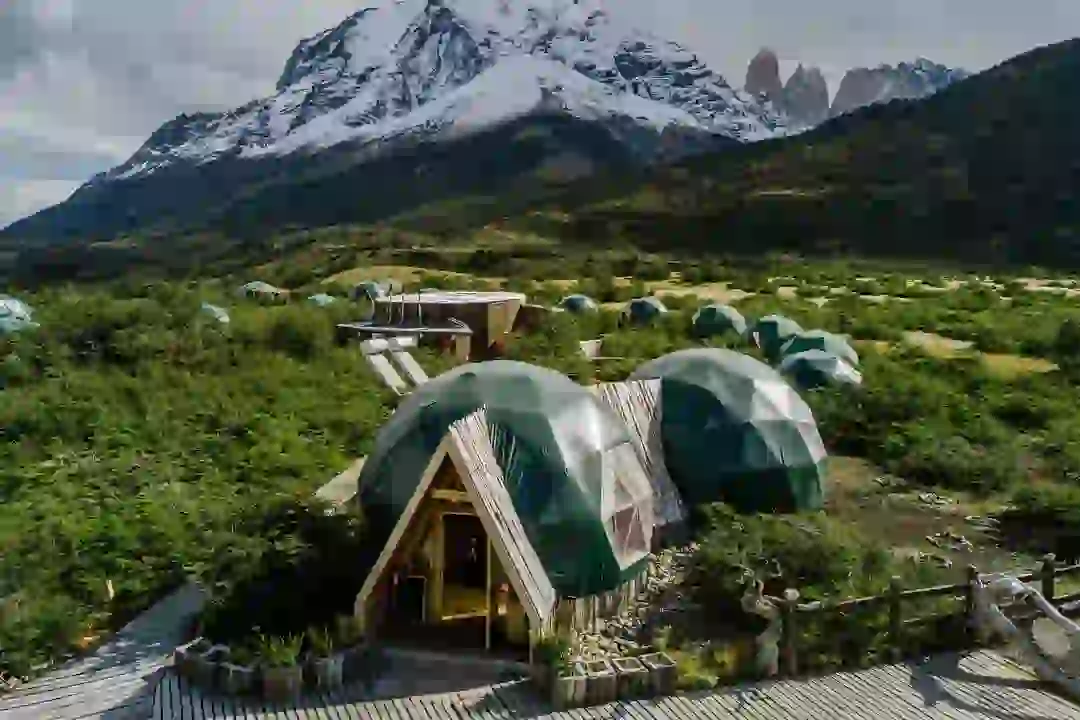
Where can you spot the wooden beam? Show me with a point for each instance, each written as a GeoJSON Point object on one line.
{"type": "Point", "coordinates": [399, 528]}
{"type": "Point", "coordinates": [487, 598]}
{"type": "Point", "coordinates": [516, 581]}
{"type": "Point", "coordinates": [457, 496]}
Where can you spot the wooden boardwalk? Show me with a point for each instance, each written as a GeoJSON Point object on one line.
{"type": "Point", "coordinates": [118, 680]}
{"type": "Point", "coordinates": [978, 686]}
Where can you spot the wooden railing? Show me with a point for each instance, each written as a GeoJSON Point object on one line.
{"type": "Point", "coordinates": [952, 628]}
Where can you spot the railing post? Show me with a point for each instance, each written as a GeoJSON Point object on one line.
{"type": "Point", "coordinates": [789, 633]}
{"type": "Point", "coordinates": [970, 630]}
{"type": "Point", "coordinates": [895, 619]}
{"type": "Point", "coordinates": [1048, 577]}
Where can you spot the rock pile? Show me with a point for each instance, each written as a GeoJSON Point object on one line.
{"type": "Point", "coordinates": [631, 633]}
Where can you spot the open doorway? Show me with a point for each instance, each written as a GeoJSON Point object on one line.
{"type": "Point", "coordinates": [465, 566]}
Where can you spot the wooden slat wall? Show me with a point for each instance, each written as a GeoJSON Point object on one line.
{"type": "Point", "coordinates": [637, 403]}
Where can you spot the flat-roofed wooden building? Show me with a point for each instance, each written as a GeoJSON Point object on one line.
{"type": "Point", "coordinates": [489, 316]}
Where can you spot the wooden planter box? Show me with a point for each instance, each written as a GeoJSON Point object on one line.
{"type": "Point", "coordinates": [206, 667]}
{"type": "Point", "coordinates": [327, 673]}
{"type": "Point", "coordinates": [568, 691]}
{"type": "Point", "coordinates": [632, 678]}
{"type": "Point", "coordinates": [602, 686]}
{"type": "Point", "coordinates": [237, 679]}
{"type": "Point", "coordinates": [352, 662]}
{"type": "Point", "coordinates": [541, 676]}
{"type": "Point", "coordinates": [282, 683]}
{"type": "Point", "coordinates": [662, 673]}
{"type": "Point", "coordinates": [183, 659]}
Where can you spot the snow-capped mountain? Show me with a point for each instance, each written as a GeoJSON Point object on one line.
{"type": "Point", "coordinates": [438, 69]}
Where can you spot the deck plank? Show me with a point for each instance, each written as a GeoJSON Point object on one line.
{"type": "Point", "coordinates": [978, 686]}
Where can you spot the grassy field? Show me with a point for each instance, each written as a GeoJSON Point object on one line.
{"type": "Point", "coordinates": [145, 442]}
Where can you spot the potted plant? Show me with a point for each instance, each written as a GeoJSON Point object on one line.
{"type": "Point", "coordinates": [567, 684]}
{"type": "Point", "coordinates": [208, 666]}
{"type": "Point", "coordinates": [632, 678]}
{"type": "Point", "coordinates": [326, 665]}
{"type": "Point", "coordinates": [238, 673]}
{"type": "Point", "coordinates": [662, 673]}
{"type": "Point", "coordinates": [349, 638]}
{"type": "Point", "coordinates": [282, 674]}
{"type": "Point", "coordinates": [184, 656]}
{"type": "Point", "coordinates": [602, 683]}
{"type": "Point", "coordinates": [549, 654]}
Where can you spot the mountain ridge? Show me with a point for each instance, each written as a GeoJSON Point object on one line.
{"type": "Point", "coordinates": [983, 171]}
{"type": "Point", "coordinates": [416, 71]}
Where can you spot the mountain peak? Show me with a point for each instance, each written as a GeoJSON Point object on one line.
{"type": "Point", "coordinates": [806, 96]}
{"type": "Point", "coordinates": [763, 75]}
{"type": "Point", "coordinates": [391, 73]}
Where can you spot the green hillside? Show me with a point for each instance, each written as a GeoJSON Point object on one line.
{"type": "Point", "coordinates": [987, 171]}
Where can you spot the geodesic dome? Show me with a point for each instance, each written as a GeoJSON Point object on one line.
{"type": "Point", "coordinates": [257, 287]}
{"type": "Point", "coordinates": [811, 369]}
{"type": "Point", "coordinates": [215, 312]}
{"type": "Point", "coordinates": [820, 340]}
{"type": "Point", "coordinates": [391, 286]}
{"type": "Point", "coordinates": [568, 464]}
{"type": "Point", "coordinates": [322, 299]}
{"type": "Point", "coordinates": [15, 315]}
{"type": "Point", "coordinates": [578, 303]}
{"type": "Point", "coordinates": [368, 290]}
{"type": "Point", "coordinates": [735, 431]}
{"type": "Point", "coordinates": [771, 332]}
{"type": "Point", "coordinates": [717, 319]}
{"type": "Point", "coordinates": [641, 311]}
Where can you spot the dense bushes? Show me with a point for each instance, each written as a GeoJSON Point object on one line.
{"type": "Point", "coordinates": [137, 434]}
{"type": "Point", "coordinates": [143, 441]}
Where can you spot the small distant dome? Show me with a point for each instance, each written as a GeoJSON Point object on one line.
{"type": "Point", "coordinates": [218, 313]}
{"type": "Point", "coordinates": [718, 319]}
{"type": "Point", "coordinates": [578, 303]}
{"type": "Point", "coordinates": [771, 332]}
{"type": "Point", "coordinates": [322, 299]}
{"type": "Point", "coordinates": [642, 311]}
{"type": "Point", "coordinates": [820, 340]}
{"type": "Point", "coordinates": [812, 369]}
{"type": "Point", "coordinates": [368, 290]}
{"type": "Point", "coordinates": [15, 315]}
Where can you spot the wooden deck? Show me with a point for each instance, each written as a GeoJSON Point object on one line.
{"type": "Point", "coordinates": [119, 679]}
{"type": "Point", "coordinates": [979, 686]}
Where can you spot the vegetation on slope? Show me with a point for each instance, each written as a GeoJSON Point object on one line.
{"type": "Point", "coordinates": [985, 171]}
{"type": "Point", "coordinates": [982, 172]}
{"type": "Point", "coordinates": [143, 442]}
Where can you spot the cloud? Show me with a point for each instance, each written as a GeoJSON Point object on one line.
{"type": "Point", "coordinates": [84, 82]}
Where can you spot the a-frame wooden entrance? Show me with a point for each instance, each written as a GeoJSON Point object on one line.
{"type": "Point", "coordinates": [462, 491]}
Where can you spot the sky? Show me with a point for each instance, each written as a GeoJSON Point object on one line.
{"type": "Point", "coordinates": [84, 82]}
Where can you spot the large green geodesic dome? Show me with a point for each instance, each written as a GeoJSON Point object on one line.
{"type": "Point", "coordinates": [820, 340]}
{"type": "Point", "coordinates": [735, 431]}
{"type": "Point", "coordinates": [568, 464]}
{"type": "Point", "coordinates": [717, 319]}
{"type": "Point", "coordinates": [770, 333]}
{"type": "Point", "coordinates": [812, 369]}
